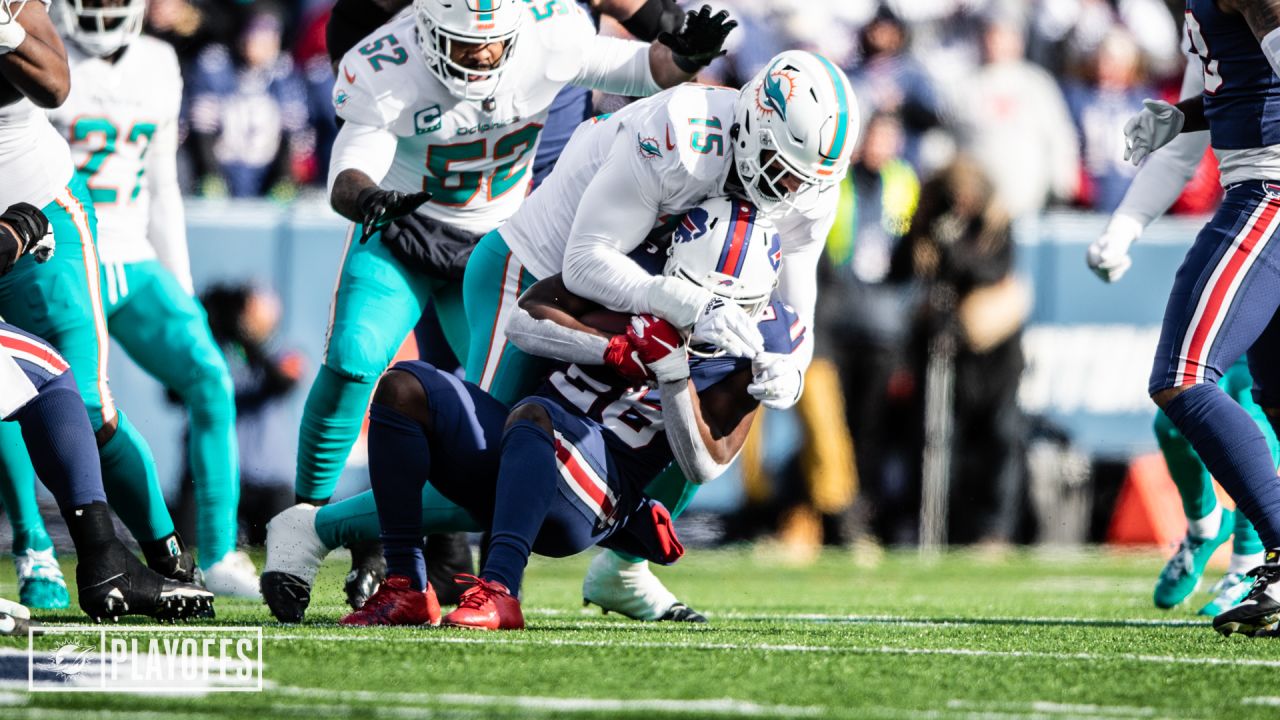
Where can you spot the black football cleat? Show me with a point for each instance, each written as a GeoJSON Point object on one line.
{"type": "Point", "coordinates": [171, 558]}
{"type": "Point", "coordinates": [368, 569]}
{"type": "Point", "coordinates": [112, 582]}
{"type": "Point", "coordinates": [1258, 614]}
{"type": "Point", "coordinates": [682, 613]}
{"type": "Point", "coordinates": [448, 555]}
{"type": "Point", "coordinates": [286, 595]}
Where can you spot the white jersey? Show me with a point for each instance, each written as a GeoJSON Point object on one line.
{"type": "Point", "coordinates": [34, 162]}
{"type": "Point", "coordinates": [475, 158]}
{"type": "Point", "coordinates": [115, 119]}
{"type": "Point", "coordinates": [671, 151]}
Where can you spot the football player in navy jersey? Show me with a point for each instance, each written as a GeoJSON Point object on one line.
{"type": "Point", "coordinates": [1227, 291]}
{"type": "Point", "coordinates": [564, 469]}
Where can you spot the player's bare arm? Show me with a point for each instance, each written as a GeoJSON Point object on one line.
{"type": "Point", "coordinates": [32, 58]}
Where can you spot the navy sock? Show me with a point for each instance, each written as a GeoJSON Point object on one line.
{"type": "Point", "coordinates": [399, 465]}
{"type": "Point", "coordinates": [526, 487]}
{"type": "Point", "coordinates": [1235, 451]}
{"type": "Point", "coordinates": [60, 440]}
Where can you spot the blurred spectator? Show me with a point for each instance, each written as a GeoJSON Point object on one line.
{"type": "Point", "coordinates": [248, 114]}
{"type": "Point", "coordinates": [244, 320]}
{"type": "Point", "coordinates": [968, 321]}
{"type": "Point", "coordinates": [862, 320]}
{"type": "Point", "coordinates": [888, 79]}
{"type": "Point", "coordinates": [312, 56]}
{"type": "Point", "coordinates": [1111, 93]}
{"type": "Point", "coordinates": [1015, 123]}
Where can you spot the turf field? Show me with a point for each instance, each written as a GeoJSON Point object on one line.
{"type": "Point", "coordinates": [1031, 635]}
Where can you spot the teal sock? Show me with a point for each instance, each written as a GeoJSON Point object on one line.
{"type": "Point", "coordinates": [348, 521]}
{"type": "Point", "coordinates": [1195, 486]}
{"type": "Point", "coordinates": [1246, 540]}
{"type": "Point", "coordinates": [215, 466]}
{"type": "Point", "coordinates": [355, 519]}
{"type": "Point", "coordinates": [18, 492]}
{"type": "Point", "coordinates": [133, 489]}
{"type": "Point", "coordinates": [673, 490]}
{"type": "Point", "coordinates": [331, 423]}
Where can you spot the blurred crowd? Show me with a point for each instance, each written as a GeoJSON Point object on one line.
{"type": "Point", "coordinates": [975, 114]}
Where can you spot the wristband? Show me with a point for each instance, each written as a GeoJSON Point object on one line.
{"type": "Point", "coordinates": [654, 17]}
{"type": "Point", "coordinates": [11, 36]}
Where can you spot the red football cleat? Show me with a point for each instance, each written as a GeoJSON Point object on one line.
{"type": "Point", "coordinates": [397, 603]}
{"type": "Point", "coordinates": [486, 605]}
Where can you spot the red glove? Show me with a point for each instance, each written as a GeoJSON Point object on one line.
{"type": "Point", "coordinates": [660, 346]}
{"type": "Point", "coordinates": [620, 355]}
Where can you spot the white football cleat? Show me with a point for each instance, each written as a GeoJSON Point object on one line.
{"type": "Point", "coordinates": [233, 576]}
{"type": "Point", "coordinates": [9, 607]}
{"type": "Point", "coordinates": [40, 581]}
{"type": "Point", "coordinates": [294, 555]}
{"type": "Point", "coordinates": [631, 589]}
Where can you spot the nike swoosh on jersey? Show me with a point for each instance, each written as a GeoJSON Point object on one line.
{"type": "Point", "coordinates": [347, 74]}
{"type": "Point", "coordinates": [670, 145]}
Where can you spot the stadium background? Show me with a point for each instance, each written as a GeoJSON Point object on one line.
{"type": "Point", "coordinates": [256, 122]}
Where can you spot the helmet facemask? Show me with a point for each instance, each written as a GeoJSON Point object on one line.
{"type": "Point", "coordinates": [438, 44]}
{"type": "Point", "coordinates": [101, 27]}
{"type": "Point", "coordinates": [772, 183]}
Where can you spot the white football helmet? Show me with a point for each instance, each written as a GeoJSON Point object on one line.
{"type": "Point", "coordinates": [797, 122]}
{"type": "Point", "coordinates": [441, 23]}
{"type": "Point", "coordinates": [726, 246]}
{"type": "Point", "coordinates": [99, 27]}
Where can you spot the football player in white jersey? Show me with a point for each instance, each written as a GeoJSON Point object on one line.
{"type": "Point", "coordinates": [783, 142]}
{"type": "Point", "coordinates": [60, 300]}
{"type": "Point", "coordinates": [463, 132]}
{"type": "Point", "coordinates": [121, 120]}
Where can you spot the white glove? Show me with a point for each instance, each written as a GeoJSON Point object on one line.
{"type": "Point", "coordinates": [777, 381]}
{"type": "Point", "coordinates": [728, 327]}
{"type": "Point", "coordinates": [11, 31]}
{"type": "Point", "coordinates": [1108, 256]}
{"type": "Point", "coordinates": [1149, 130]}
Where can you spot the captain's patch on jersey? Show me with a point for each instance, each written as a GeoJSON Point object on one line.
{"type": "Point", "coordinates": [427, 120]}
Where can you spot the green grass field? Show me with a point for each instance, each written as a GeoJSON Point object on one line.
{"type": "Point", "coordinates": [1031, 635]}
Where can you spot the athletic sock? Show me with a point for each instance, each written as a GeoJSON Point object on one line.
{"type": "Point", "coordinates": [1195, 485]}
{"type": "Point", "coordinates": [1235, 452]}
{"type": "Point", "coordinates": [399, 465]}
{"type": "Point", "coordinates": [215, 464]}
{"type": "Point", "coordinates": [1207, 526]}
{"type": "Point", "coordinates": [348, 521]}
{"type": "Point", "coordinates": [133, 490]}
{"type": "Point", "coordinates": [1245, 540]}
{"type": "Point", "coordinates": [18, 491]}
{"type": "Point", "coordinates": [526, 487]}
{"type": "Point", "coordinates": [331, 421]}
{"type": "Point", "coordinates": [1242, 563]}
{"type": "Point", "coordinates": [59, 438]}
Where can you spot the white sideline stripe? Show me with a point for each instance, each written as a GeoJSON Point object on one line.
{"type": "Point", "coordinates": [719, 706]}
{"type": "Point", "coordinates": [431, 636]}
{"type": "Point", "coordinates": [911, 621]}
{"type": "Point", "coordinates": [1056, 708]}
{"type": "Point", "coordinates": [1268, 700]}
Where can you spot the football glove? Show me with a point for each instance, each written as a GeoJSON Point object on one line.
{"type": "Point", "coordinates": [32, 229]}
{"type": "Point", "coordinates": [1108, 256]}
{"type": "Point", "coordinates": [700, 40]}
{"type": "Point", "coordinates": [624, 359]}
{"type": "Point", "coordinates": [727, 326]}
{"type": "Point", "coordinates": [1151, 129]}
{"type": "Point", "coordinates": [660, 347]}
{"type": "Point", "coordinates": [379, 207]}
{"type": "Point", "coordinates": [777, 381]}
{"type": "Point", "coordinates": [11, 31]}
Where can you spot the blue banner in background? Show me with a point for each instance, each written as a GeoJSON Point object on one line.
{"type": "Point", "coordinates": [1088, 346]}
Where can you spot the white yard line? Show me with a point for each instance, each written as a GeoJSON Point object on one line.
{"type": "Point", "coordinates": [432, 637]}
{"type": "Point", "coordinates": [911, 620]}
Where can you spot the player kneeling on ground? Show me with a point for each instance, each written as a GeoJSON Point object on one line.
{"type": "Point", "coordinates": [38, 391]}
{"type": "Point", "coordinates": [566, 468]}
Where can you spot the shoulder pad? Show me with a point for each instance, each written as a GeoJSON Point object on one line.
{"type": "Point", "coordinates": [376, 79]}
{"type": "Point", "coordinates": [692, 125]}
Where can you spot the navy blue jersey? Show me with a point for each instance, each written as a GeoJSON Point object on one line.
{"type": "Point", "coordinates": [631, 415]}
{"type": "Point", "coordinates": [1241, 91]}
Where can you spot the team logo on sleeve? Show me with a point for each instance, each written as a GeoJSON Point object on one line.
{"type": "Point", "coordinates": [692, 226]}
{"type": "Point", "coordinates": [428, 120]}
{"type": "Point", "coordinates": [340, 98]}
{"type": "Point", "coordinates": [775, 251]}
{"type": "Point", "coordinates": [648, 147]}
{"type": "Point", "coordinates": [777, 88]}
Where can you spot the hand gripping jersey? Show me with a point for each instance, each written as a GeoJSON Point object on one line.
{"type": "Point", "coordinates": [631, 415]}
{"type": "Point", "coordinates": [677, 148]}
{"type": "Point", "coordinates": [34, 161]}
{"type": "Point", "coordinates": [120, 119]}
{"type": "Point", "coordinates": [1241, 93]}
{"type": "Point", "coordinates": [476, 157]}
